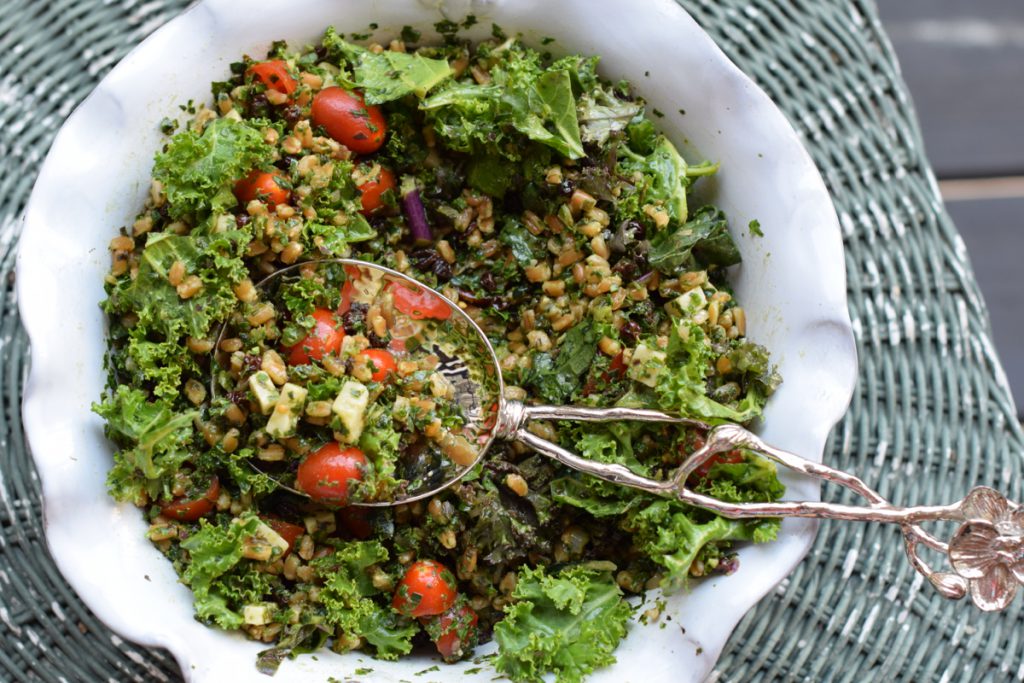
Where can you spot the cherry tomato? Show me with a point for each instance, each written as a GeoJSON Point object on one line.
{"type": "Point", "coordinates": [372, 191]}
{"type": "Point", "coordinates": [263, 186]}
{"type": "Point", "coordinates": [191, 510]}
{"type": "Point", "coordinates": [349, 120]}
{"type": "Point", "coordinates": [427, 588]}
{"type": "Point", "coordinates": [418, 304]}
{"type": "Point", "coordinates": [324, 338]}
{"type": "Point", "coordinates": [383, 362]}
{"type": "Point", "coordinates": [348, 289]}
{"type": "Point", "coordinates": [289, 532]}
{"type": "Point", "coordinates": [458, 632]}
{"type": "Point", "coordinates": [273, 74]}
{"type": "Point", "coordinates": [695, 442]}
{"type": "Point", "coordinates": [356, 522]}
{"type": "Point", "coordinates": [325, 474]}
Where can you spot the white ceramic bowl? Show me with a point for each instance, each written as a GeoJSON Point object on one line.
{"type": "Point", "coordinates": [96, 175]}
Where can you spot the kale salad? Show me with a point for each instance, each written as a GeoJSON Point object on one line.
{"type": "Point", "coordinates": [250, 420]}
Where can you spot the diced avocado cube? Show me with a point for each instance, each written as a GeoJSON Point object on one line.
{"type": "Point", "coordinates": [264, 390]}
{"type": "Point", "coordinates": [350, 408]}
{"type": "Point", "coordinates": [285, 417]}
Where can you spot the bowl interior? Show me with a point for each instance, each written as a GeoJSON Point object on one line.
{"type": "Point", "coordinates": [791, 282]}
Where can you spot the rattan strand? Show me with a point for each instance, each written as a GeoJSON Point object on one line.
{"type": "Point", "coordinates": [931, 415]}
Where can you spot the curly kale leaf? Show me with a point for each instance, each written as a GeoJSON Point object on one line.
{"type": "Point", "coordinates": [199, 170]}
{"type": "Point", "coordinates": [557, 377]}
{"type": "Point", "coordinates": [602, 113]}
{"type": "Point", "coordinates": [567, 624]}
{"type": "Point", "coordinates": [214, 551]}
{"type": "Point", "coordinates": [154, 438]}
{"type": "Point", "coordinates": [348, 598]}
{"type": "Point", "coordinates": [671, 535]}
{"type": "Point", "coordinates": [522, 96]}
{"type": "Point", "coordinates": [387, 75]}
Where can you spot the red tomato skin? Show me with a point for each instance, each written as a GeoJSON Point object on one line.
{"type": "Point", "coordinates": [458, 630]}
{"type": "Point", "coordinates": [273, 74]}
{"type": "Point", "coordinates": [349, 120]}
{"type": "Point", "coordinates": [696, 442]}
{"type": "Point", "coordinates": [383, 361]}
{"type": "Point", "coordinates": [263, 186]}
{"type": "Point", "coordinates": [288, 531]}
{"type": "Point", "coordinates": [418, 305]}
{"type": "Point", "coordinates": [193, 510]}
{"type": "Point", "coordinates": [324, 338]}
{"type": "Point", "coordinates": [325, 474]}
{"type": "Point", "coordinates": [372, 191]}
{"type": "Point", "coordinates": [426, 589]}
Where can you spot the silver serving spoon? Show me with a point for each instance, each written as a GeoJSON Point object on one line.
{"type": "Point", "coordinates": [986, 553]}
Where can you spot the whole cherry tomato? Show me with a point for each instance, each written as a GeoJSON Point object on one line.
{"type": "Point", "coordinates": [349, 120]}
{"type": "Point", "coordinates": [273, 74]}
{"type": "Point", "coordinates": [325, 474]}
{"type": "Point", "coordinates": [324, 338]}
{"type": "Point", "coordinates": [372, 191]}
{"type": "Point", "coordinates": [263, 186]}
{"type": "Point", "coordinates": [427, 588]}
{"type": "Point", "coordinates": [383, 363]}
{"type": "Point", "coordinates": [191, 510]}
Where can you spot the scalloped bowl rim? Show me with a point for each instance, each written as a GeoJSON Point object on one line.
{"type": "Point", "coordinates": [72, 213]}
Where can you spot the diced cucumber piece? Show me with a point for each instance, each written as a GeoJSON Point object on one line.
{"type": "Point", "coordinates": [646, 365]}
{"type": "Point", "coordinates": [350, 408]}
{"type": "Point", "coordinates": [285, 417]}
{"type": "Point", "coordinates": [264, 390]}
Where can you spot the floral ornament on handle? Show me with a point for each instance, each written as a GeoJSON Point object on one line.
{"type": "Point", "coordinates": [988, 548]}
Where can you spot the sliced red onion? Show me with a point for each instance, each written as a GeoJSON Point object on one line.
{"type": "Point", "coordinates": [415, 214]}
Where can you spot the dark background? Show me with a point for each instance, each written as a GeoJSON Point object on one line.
{"type": "Point", "coordinates": [963, 61]}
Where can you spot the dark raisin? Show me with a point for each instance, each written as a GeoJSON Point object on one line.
{"type": "Point", "coordinates": [487, 282]}
{"type": "Point", "coordinates": [378, 342]}
{"type": "Point", "coordinates": [354, 319]}
{"type": "Point", "coordinates": [292, 114]}
{"type": "Point", "coordinates": [242, 219]}
{"type": "Point", "coordinates": [567, 187]}
{"type": "Point", "coordinates": [630, 332]}
{"type": "Point", "coordinates": [252, 363]}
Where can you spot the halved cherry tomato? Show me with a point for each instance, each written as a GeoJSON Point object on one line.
{"type": "Point", "coordinates": [289, 532]}
{"type": "Point", "coordinates": [324, 338]}
{"type": "Point", "coordinates": [325, 474]}
{"type": "Point", "coordinates": [383, 362]}
{"type": "Point", "coordinates": [191, 510]}
{"type": "Point", "coordinates": [418, 304]}
{"type": "Point", "coordinates": [356, 521]}
{"type": "Point", "coordinates": [273, 74]}
{"type": "Point", "coordinates": [348, 289]}
{"type": "Point", "coordinates": [695, 442]}
{"type": "Point", "coordinates": [458, 632]}
{"type": "Point", "coordinates": [349, 120]}
{"type": "Point", "coordinates": [427, 588]}
{"type": "Point", "coordinates": [372, 191]}
{"type": "Point", "coordinates": [263, 186]}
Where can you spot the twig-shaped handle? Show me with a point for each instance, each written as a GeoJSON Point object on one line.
{"type": "Point", "coordinates": [986, 553]}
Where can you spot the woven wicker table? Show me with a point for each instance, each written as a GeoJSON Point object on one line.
{"type": "Point", "coordinates": [931, 417]}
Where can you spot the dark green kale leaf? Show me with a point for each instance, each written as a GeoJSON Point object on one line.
{"type": "Point", "coordinates": [567, 624]}
{"type": "Point", "coordinates": [387, 75]}
{"type": "Point", "coordinates": [198, 171]}
{"type": "Point", "coordinates": [526, 247]}
{"type": "Point", "coordinates": [699, 243]}
{"type": "Point", "coordinates": [154, 440]}
{"type": "Point", "coordinates": [558, 377]}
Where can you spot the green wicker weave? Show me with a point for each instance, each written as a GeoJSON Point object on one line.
{"type": "Point", "coordinates": [932, 414]}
